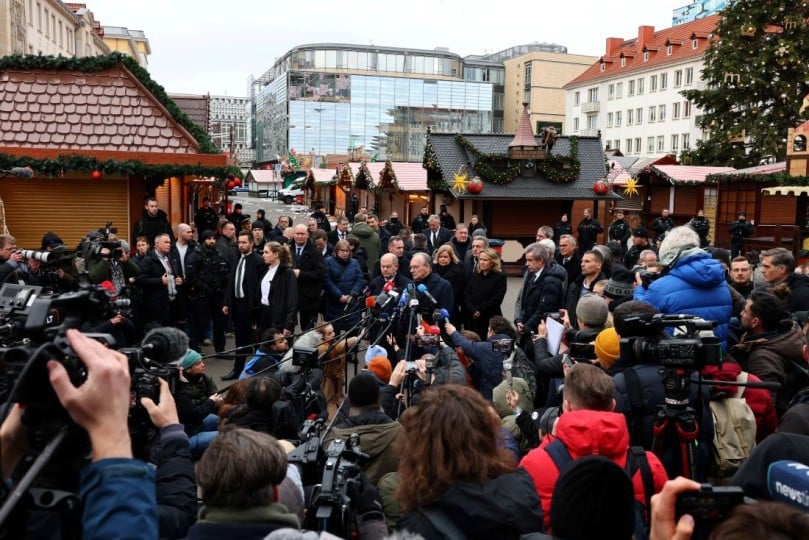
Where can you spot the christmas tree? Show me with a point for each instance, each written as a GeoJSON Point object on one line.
{"type": "Point", "coordinates": [756, 75]}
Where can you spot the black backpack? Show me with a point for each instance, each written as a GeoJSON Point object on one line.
{"type": "Point", "coordinates": [635, 460]}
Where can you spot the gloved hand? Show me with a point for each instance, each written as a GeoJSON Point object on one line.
{"type": "Point", "coordinates": [365, 498]}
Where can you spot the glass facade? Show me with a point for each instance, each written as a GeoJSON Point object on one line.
{"type": "Point", "coordinates": [335, 113]}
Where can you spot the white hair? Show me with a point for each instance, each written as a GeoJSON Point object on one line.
{"type": "Point", "coordinates": [677, 239]}
{"type": "Point", "coordinates": [548, 243]}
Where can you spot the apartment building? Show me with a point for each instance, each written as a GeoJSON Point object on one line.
{"type": "Point", "coordinates": [49, 27]}
{"type": "Point", "coordinates": [227, 126]}
{"type": "Point", "coordinates": [631, 95]}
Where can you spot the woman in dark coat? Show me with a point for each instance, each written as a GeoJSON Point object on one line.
{"type": "Point", "coordinates": [446, 265]}
{"type": "Point", "coordinates": [277, 291]}
{"type": "Point", "coordinates": [343, 287]}
{"type": "Point", "coordinates": [484, 293]}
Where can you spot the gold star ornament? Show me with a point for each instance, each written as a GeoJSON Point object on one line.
{"type": "Point", "coordinates": [461, 181]}
{"type": "Point", "coordinates": [631, 187]}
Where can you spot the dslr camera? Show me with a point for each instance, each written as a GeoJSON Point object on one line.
{"type": "Point", "coordinates": [647, 342]}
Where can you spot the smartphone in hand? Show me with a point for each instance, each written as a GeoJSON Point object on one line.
{"type": "Point", "coordinates": [709, 506]}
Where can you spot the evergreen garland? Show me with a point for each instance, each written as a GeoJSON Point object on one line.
{"type": "Point", "coordinates": [556, 169]}
{"type": "Point", "coordinates": [69, 163]}
{"type": "Point", "coordinates": [94, 64]}
{"type": "Point", "coordinates": [435, 178]}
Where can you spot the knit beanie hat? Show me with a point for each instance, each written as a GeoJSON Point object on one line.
{"type": "Point", "coordinates": [593, 498]}
{"type": "Point", "coordinates": [363, 390]}
{"type": "Point", "coordinates": [374, 351]}
{"type": "Point", "coordinates": [381, 367]}
{"type": "Point", "coordinates": [592, 310]}
{"type": "Point", "coordinates": [608, 347]}
{"type": "Point", "coordinates": [204, 235]}
{"type": "Point", "coordinates": [191, 358]}
{"type": "Point", "coordinates": [620, 285]}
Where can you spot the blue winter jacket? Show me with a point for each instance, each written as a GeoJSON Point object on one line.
{"type": "Point", "coordinates": [487, 371]}
{"type": "Point", "coordinates": [694, 286]}
{"type": "Point", "coordinates": [342, 277]}
{"type": "Point", "coordinates": [119, 500]}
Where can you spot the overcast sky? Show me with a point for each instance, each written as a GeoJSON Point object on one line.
{"type": "Point", "coordinates": [205, 46]}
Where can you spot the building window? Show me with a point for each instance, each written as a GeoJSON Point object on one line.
{"type": "Point", "coordinates": [652, 113]}
{"type": "Point", "coordinates": [686, 109]}
{"type": "Point", "coordinates": [637, 145]}
{"type": "Point", "coordinates": [686, 141]}
{"type": "Point", "coordinates": [576, 99]}
{"type": "Point", "coordinates": [639, 115]}
{"type": "Point", "coordinates": [653, 83]}
{"type": "Point", "coordinates": [675, 110]}
{"type": "Point", "coordinates": [661, 113]}
{"type": "Point", "coordinates": [689, 76]}
{"type": "Point", "coordinates": [661, 143]}
{"type": "Point", "coordinates": [694, 43]}
{"type": "Point", "coordinates": [650, 144]}
{"type": "Point", "coordinates": [576, 124]}
{"type": "Point", "coordinates": [640, 86]}
{"type": "Point", "coordinates": [609, 145]}
{"type": "Point", "coordinates": [678, 78]}
{"type": "Point", "coordinates": [618, 118]}
{"type": "Point", "coordinates": [527, 79]}
{"type": "Point", "coordinates": [645, 56]}
{"type": "Point", "coordinates": [669, 49]}
{"type": "Point", "coordinates": [609, 120]}
{"type": "Point", "coordinates": [592, 95]}
{"type": "Point", "coordinates": [47, 23]}
{"type": "Point", "coordinates": [39, 16]}
{"type": "Point", "coordinates": [630, 117]}
{"type": "Point", "coordinates": [603, 66]}
{"type": "Point", "coordinates": [628, 143]}
{"type": "Point", "coordinates": [592, 121]}
{"type": "Point", "coordinates": [675, 143]}
{"type": "Point", "coordinates": [617, 144]}
{"type": "Point", "coordinates": [664, 81]}
{"type": "Point", "coordinates": [630, 89]}
{"type": "Point", "coordinates": [619, 90]}
{"type": "Point", "coordinates": [610, 91]}
{"type": "Point", "coordinates": [623, 62]}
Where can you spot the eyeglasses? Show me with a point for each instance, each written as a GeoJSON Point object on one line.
{"type": "Point", "coordinates": [563, 245]}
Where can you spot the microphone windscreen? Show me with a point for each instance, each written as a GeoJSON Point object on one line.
{"type": "Point", "coordinates": [444, 313]}
{"type": "Point", "coordinates": [388, 286]}
{"type": "Point", "coordinates": [421, 288]}
{"type": "Point", "coordinates": [788, 481]}
{"type": "Point", "coordinates": [165, 345]}
{"type": "Point", "coordinates": [370, 301]}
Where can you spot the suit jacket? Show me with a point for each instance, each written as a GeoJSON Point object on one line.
{"type": "Point", "coordinates": [254, 268]}
{"type": "Point", "coordinates": [334, 237]}
{"type": "Point", "coordinates": [283, 301]}
{"type": "Point", "coordinates": [542, 296]}
{"type": "Point", "coordinates": [311, 278]}
{"type": "Point", "coordinates": [154, 294]}
{"type": "Point", "coordinates": [573, 267]}
{"type": "Point", "coordinates": [401, 282]}
{"type": "Point", "coordinates": [404, 267]}
{"type": "Point", "coordinates": [444, 236]}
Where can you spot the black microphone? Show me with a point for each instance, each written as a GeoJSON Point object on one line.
{"type": "Point", "coordinates": [165, 345]}
{"type": "Point", "coordinates": [22, 172]}
{"type": "Point", "coordinates": [422, 288]}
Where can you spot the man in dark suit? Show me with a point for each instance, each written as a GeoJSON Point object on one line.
{"type": "Point", "coordinates": [311, 273]}
{"type": "Point", "coordinates": [542, 290]}
{"type": "Point", "coordinates": [339, 233]}
{"type": "Point", "coordinates": [568, 258]}
{"type": "Point", "coordinates": [158, 279]}
{"type": "Point", "coordinates": [239, 301]}
{"type": "Point", "coordinates": [389, 272]}
{"type": "Point", "coordinates": [439, 288]}
{"type": "Point", "coordinates": [395, 247]}
{"type": "Point", "coordinates": [437, 235]}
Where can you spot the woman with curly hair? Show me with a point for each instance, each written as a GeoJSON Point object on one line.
{"type": "Point", "coordinates": [484, 292]}
{"type": "Point", "coordinates": [454, 477]}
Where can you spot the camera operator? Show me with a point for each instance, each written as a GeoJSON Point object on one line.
{"type": "Point", "coordinates": [487, 362]}
{"type": "Point", "coordinates": [119, 326]}
{"type": "Point", "coordinates": [112, 264]}
{"type": "Point", "coordinates": [197, 403]}
{"type": "Point", "coordinates": [13, 266]}
{"type": "Point", "coordinates": [380, 435]}
{"type": "Point", "coordinates": [694, 284]}
{"type": "Point", "coordinates": [118, 492]}
{"type": "Point", "coordinates": [639, 391]}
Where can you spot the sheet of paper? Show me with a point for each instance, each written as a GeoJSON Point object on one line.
{"type": "Point", "coordinates": [555, 332]}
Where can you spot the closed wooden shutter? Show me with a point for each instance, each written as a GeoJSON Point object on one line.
{"type": "Point", "coordinates": [687, 200]}
{"type": "Point", "coordinates": [69, 207]}
{"type": "Point", "coordinates": [778, 209]}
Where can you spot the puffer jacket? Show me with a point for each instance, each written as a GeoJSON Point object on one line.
{"type": "Point", "coordinates": [342, 278]}
{"type": "Point", "coordinates": [369, 240]}
{"type": "Point", "coordinates": [380, 438]}
{"type": "Point", "coordinates": [695, 285]}
{"type": "Point", "coordinates": [587, 433]}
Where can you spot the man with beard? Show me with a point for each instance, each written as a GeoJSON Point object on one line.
{"type": "Point", "coordinates": [619, 231]}
{"type": "Point", "coordinates": [207, 273]}
{"type": "Point", "coordinates": [589, 228]}
{"type": "Point", "coordinates": [153, 222]}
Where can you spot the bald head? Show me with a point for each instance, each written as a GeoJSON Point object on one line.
{"type": "Point", "coordinates": [300, 234]}
{"type": "Point", "coordinates": [388, 265]}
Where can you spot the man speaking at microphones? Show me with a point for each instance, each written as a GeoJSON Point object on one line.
{"type": "Point", "coordinates": [390, 278]}
{"type": "Point", "coordinates": [439, 289]}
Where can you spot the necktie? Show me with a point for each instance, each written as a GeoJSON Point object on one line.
{"type": "Point", "coordinates": [300, 250]}
{"type": "Point", "coordinates": [434, 235]}
{"type": "Point", "coordinates": [240, 278]}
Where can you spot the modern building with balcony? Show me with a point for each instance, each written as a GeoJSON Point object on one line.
{"type": "Point", "coordinates": [631, 95]}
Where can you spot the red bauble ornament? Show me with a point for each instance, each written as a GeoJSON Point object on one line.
{"type": "Point", "coordinates": [237, 182]}
{"type": "Point", "coordinates": [95, 175]}
{"type": "Point", "coordinates": [231, 184]}
{"type": "Point", "coordinates": [475, 186]}
{"type": "Point", "coordinates": [601, 188]}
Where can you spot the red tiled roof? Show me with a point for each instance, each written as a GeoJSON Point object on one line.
{"type": "Point", "coordinates": [100, 113]}
{"type": "Point", "coordinates": [678, 36]}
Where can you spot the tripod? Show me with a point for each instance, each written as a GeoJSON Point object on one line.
{"type": "Point", "coordinates": [676, 422]}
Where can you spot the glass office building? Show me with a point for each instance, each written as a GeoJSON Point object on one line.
{"type": "Point", "coordinates": [337, 99]}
